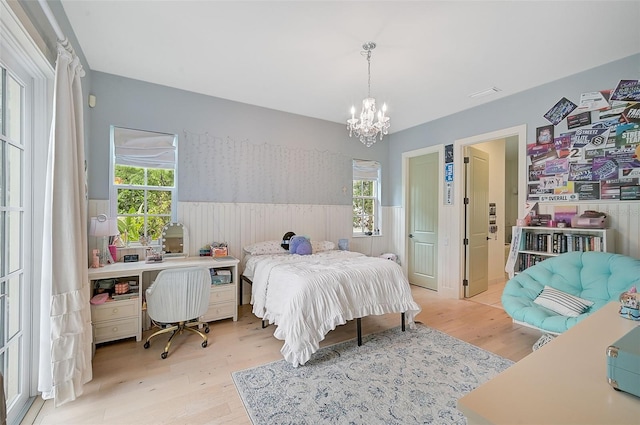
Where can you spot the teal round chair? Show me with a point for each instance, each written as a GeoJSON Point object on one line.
{"type": "Point", "coordinates": [599, 277]}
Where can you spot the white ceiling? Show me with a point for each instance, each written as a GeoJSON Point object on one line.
{"type": "Point", "coordinates": [304, 56]}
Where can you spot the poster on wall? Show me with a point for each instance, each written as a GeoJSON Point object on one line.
{"type": "Point", "coordinates": [628, 90]}
{"type": "Point", "coordinates": [594, 101]}
{"type": "Point", "coordinates": [598, 158]}
{"type": "Point", "coordinates": [448, 175]}
{"type": "Point", "coordinates": [560, 110]}
{"type": "Point", "coordinates": [578, 120]}
{"type": "Point", "coordinates": [544, 135]}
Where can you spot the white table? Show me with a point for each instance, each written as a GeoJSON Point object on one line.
{"type": "Point", "coordinates": [121, 319]}
{"type": "Point", "coordinates": [563, 382]}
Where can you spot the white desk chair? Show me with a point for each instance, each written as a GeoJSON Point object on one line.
{"type": "Point", "coordinates": [176, 300]}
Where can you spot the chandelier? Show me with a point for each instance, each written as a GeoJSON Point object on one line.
{"type": "Point", "coordinates": [365, 128]}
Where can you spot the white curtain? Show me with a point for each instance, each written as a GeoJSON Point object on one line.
{"type": "Point", "coordinates": [65, 338]}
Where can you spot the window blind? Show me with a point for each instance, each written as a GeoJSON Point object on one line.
{"type": "Point", "coordinates": [138, 148]}
{"type": "Point", "coordinates": [365, 169]}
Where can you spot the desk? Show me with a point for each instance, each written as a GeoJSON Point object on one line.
{"type": "Point", "coordinates": [123, 319]}
{"type": "Point", "coordinates": [563, 382]}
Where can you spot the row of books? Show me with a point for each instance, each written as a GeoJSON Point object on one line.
{"type": "Point", "coordinates": [527, 260]}
{"type": "Point", "coordinates": [558, 243]}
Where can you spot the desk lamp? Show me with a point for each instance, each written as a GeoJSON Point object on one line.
{"type": "Point", "coordinates": [103, 227]}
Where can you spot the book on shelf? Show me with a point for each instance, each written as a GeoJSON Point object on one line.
{"type": "Point", "coordinates": [126, 296]}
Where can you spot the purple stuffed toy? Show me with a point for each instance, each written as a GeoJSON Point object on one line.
{"type": "Point", "coordinates": [299, 245]}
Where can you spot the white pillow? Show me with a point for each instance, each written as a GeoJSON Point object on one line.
{"type": "Point", "coordinates": [319, 246]}
{"type": "Point", "coordinates": [562, 303]}
{"type": "Point", "coordinates": [265, 248]}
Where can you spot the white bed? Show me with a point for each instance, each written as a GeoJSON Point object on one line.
{"type": "Point", "coordinates": [306, 296]}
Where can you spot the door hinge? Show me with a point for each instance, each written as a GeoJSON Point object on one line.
{"type": "Point", "coordinates": [466, 159]}
{"type": "Point", "coordinates": [466, 201]}
{"type": "Point", "coordinates": [465, 282]}
{"type": "Point", "coordinates": [465, 241]}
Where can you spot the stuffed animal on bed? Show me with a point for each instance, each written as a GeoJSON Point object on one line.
{"type": "Point", "coordinates": [299, 245]}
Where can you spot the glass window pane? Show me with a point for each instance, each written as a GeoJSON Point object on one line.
{"type": "Point", "coordinates": [368, 223]}
{"type": "Point", "coordinates": [13, 110]}
{"type": "Point", "coordinates": [368, 206]}
{"type": "Point", "coordinates": [3, 217]}
{"type": "Point", "coordinates": [129, 175]}
{"type": "Point", "coordinates": [3, 309]}
{"type": "Point", "coordinates": [357, 188]}
{"type": "Point", "coordinates": [3, 73]}
{"type": "Point", "coordinates": [14, 176]}
{"type": "Point", "coordinates": [3, 146]}
{"type": "Point", "coordinates": [13, 304]}
{"type": "Point", "coordinates": [159, 202]}
{"type": "Point", "coordinates": [14, 243]}
{"type": "Point", "coordinates": [367, 188]}
{"type": "Point", "coordinates": [130, 201]}
{"type": "Point", "coordinates": [155, 225]}
{"type": "Point", "coordinates": [12, 378]}
{"type": "Point", "coordinates": [159, 177]}
{"type": "Point", "coordinates": [130, 228]}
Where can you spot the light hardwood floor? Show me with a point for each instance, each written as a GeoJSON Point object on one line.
{"type": "Point", "coordinates": [492, 295]}
{"type": "Point", "coordinates": [193, 385]}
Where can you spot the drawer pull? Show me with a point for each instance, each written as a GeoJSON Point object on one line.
{"type": "Point", "coordinates": [115, 329]}
{"type": "Point", "coordinates": [114, 311]}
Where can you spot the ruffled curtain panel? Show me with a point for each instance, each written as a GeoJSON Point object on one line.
{"type": "Point", "coordinates": [65, 338]}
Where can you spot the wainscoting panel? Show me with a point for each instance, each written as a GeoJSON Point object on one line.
{"type": "Point", "coordinates": [243, 224]}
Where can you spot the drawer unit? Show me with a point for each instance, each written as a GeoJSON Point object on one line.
{"type": "Point", "coordinates": [111, 330]}
{"type": "Point", "coordinates": [114, 310]}
{"type": "Point", "coordinates": [222, 303]}
{"type": "Point", "coordinates": [115, 320]}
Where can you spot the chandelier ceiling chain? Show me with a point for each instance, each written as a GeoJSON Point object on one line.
{"type": "Point", "coordinates": [365, 128]}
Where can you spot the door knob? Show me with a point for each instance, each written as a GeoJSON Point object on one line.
{"type": "Point", "coordinates": [410, 235]}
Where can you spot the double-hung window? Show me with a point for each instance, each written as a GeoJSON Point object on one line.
{"type": "Point", "coordinates": [143, 183]}
{"type": "Point", "coordinates": [366, 197]}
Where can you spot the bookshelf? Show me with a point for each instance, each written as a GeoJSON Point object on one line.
{"type": "Point", "coordinates": [536, 243]}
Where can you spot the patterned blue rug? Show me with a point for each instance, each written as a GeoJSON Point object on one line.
{"type": "Point", "coordinates": [395, 377]}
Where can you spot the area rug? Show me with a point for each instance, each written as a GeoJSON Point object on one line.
{"type": "Point", "coordinates": [395, 377]}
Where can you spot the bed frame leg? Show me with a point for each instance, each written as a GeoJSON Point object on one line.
{"type": "Point", "coordinates": [359, 327]}
{"type": "Point", "coordinates": [402, 320]}
{"type": "Point", "coordinates": [264, 324]}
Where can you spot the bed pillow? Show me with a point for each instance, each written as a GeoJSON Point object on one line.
{"type": "Point", "coordinates": [265, 248]}
{"type": "Point", "coordinates": [562, 303]}
{"type": "Point", "coordinates": [320, 246]}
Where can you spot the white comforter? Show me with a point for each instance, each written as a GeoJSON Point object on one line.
{"type": "Point", "coordinates": [307, 296]}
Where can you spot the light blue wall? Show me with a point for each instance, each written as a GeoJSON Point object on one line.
{"type": "Point", "coordinates": [267, 156]}
{"type": "Point", "coordinates": [527, 107]}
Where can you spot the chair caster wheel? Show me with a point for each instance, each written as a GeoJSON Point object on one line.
{"type": "Point", "coordinates": [146, 345]}
{"type": "Point", "coordinates": [164, 355]}
{"type": "Point", "coordinates": [206, 330]}
{"type": "Point", "coordinates": [204, 344]}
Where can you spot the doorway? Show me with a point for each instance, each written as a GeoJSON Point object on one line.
{"type": "Point", "coordinates": [507, 158]}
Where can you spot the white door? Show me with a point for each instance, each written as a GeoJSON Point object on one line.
{"type": "Point", "coordinates": [477, 221]}
{"type": "Point", "coordinates": [423, 220]}
{"type": "Point", "coordinates": [14, 318]}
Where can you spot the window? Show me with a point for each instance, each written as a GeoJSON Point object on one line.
{"type": "Point", "coordinates": [143, 182]}
{"type": "Point", "coordinates": [366, 197]}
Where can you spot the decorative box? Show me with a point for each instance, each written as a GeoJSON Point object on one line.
{"type": "Point", "coordinates": [220, 251]}
{"type": "Point", "coordinates": [623, 363]}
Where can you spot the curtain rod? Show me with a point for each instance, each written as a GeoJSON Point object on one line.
{"type": "Point", "coordinates": [52, 19]}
